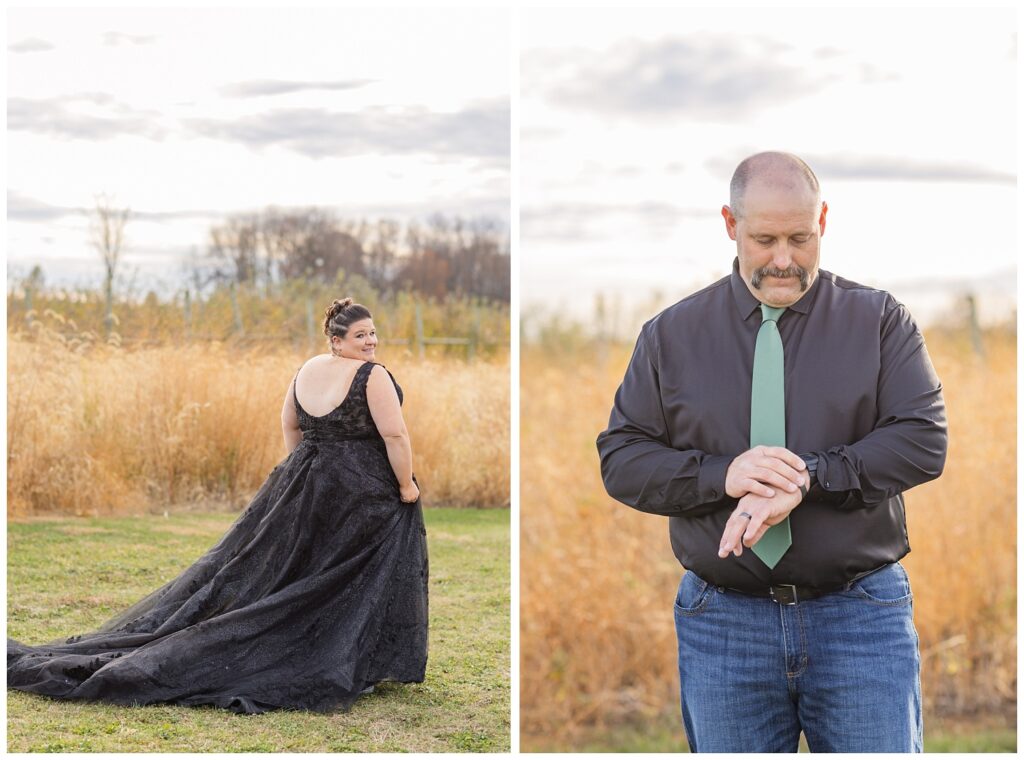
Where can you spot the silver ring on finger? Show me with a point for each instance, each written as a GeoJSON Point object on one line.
{"type": "Point", "coordinates": [747, 515]}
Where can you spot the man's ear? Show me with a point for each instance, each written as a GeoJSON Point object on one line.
{"type": "Point", "coordinates": [821, 219]}
{"type": "Point", "coordinates": [730, 221]}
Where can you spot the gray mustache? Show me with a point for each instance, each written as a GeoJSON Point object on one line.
{"type": "Point", "coordinates": [770, 271]}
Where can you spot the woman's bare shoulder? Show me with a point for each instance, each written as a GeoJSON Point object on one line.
{"type": "Point", "coordinates": [329, 363]}
{"type": "Point", "coordinates": [317, 360]}
{"type": "Point", "coordinates": [381, 376]}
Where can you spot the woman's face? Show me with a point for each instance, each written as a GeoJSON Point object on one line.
{"type": "Point", "coordinates": [360, 342]}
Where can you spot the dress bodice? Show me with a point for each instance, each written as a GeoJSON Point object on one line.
{"type": "Point", "coordinates": [351, 419]}
{"type": "Point", "coordinates": [317, 592]}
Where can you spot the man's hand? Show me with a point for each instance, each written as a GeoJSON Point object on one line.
{"type": "Point", "coordinates": [757, 470]}
{"type": "Point", "coordinates": [742, 531]}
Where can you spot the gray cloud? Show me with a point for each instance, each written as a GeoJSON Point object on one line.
{"type": "Point", "coordinates": [260, 87]}
{"type": "Point", "coordinates": [32, 45]}
{"type": "Point", "coordinates": [527, 133]}
{"type": "Point", "coordinates": [162, 216]}
{"type": "Point", "coordinates": [22, 208]}
{"type": "Point", "coordinates": [96, 98]}
{"type": "Point", "coordinates": [1003, 279]}
{"type": "Point", "coordinates": [53, 116]}
{"type": "Point", "coordinates": [871, 74]}
{"type": "Point", "coordinates": [485, 205]}
{"type": "Point", "coordinates": [480, 131]}
{"type": "Point", "coordinates": [892, 168]}
{"type": "Point", "coordinates": [827, 51]}
{"type": "Point", "coordinates": [113, 39]}
{"type": "Point", "coordinates": [580, 221]}
{"type": "Point", "coordinates": [707, 77]}
{"type": "Point", "coordinates": [493, 202]}
{"type": "Point", "coordinates": [594, 174]}
{"type": "Point", "coordinates": [846, 62]}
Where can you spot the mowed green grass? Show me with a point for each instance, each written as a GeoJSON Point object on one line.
{"type": "Point", "coordinates": [665, 734]}
{"type": "Point", "coordinates": [68, 575]}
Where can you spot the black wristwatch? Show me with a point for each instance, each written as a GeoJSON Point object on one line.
{"type": "Point", "coordinates": [811, 460]}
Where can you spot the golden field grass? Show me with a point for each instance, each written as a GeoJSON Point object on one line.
{"type": "Point", "coordinates": [95, 429]}
{"type": "Point", "coordinates": [597, 579]}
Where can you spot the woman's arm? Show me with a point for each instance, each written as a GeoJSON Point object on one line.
{"type": "Point", "coordinates": [386, 411]}
{"type": "Point", "coordinates": [289, 420]}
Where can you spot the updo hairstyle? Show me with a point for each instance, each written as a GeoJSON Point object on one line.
{"type": "Point", "coordinates": [340, 314]}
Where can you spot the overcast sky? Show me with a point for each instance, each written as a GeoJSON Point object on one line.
{"type": "Point", "coordinates": [633, 121]}
{"type": "Point", "coordinates": [185, 115]}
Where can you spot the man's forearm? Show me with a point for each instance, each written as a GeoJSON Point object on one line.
{"type": "Point", "coordinates": [652, 477]}
{"type": "Point", "coordinates": [638, 465]}
{"type": "Point", "coordinates": [883, 464]}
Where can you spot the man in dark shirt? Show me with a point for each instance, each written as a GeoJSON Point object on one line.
{"type": "Point", "coordinates": [821, 638]}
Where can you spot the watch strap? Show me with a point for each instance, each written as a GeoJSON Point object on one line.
{"type": "Point", "coordinates": [811, 460]}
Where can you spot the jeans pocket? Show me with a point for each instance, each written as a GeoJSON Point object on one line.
{"type": "Point", "coordinates": [693, 595]}
{"type": "Point", "coordinates": [889, 587]}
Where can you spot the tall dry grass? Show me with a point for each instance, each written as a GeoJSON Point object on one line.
{"type": "Point", "coordinates": [272, 316]}
{"type": "Point", "coordinates": [96, 429]}
{"type": "Point", "coordinates": [597, 578]}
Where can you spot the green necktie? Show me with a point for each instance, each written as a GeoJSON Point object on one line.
{"type": "Point", "coordinates": [768, 417]}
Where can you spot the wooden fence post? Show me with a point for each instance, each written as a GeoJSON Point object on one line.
{"type": "Point", "coordinates": [236, 311]}
{"type": "Point", "coordinates": [474, 337]}
{"type": "Point", "coordinates": [601, 320]}
{"type": "Point", "coordinates": [975, 328]}
{"type": "Point", "coordinates": [188, 314]}
{"type": "Point", "coordinates": [108, 316]}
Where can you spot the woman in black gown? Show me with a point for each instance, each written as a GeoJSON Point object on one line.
{"type": "Point", "coordinates": [316, 592]}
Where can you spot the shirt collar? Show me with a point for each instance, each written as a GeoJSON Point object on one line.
{"type": "Point", "coordinates": [748, 304]}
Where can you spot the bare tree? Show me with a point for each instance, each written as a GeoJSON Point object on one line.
{"type": "Point", "coordinates": [108, 239]}
{"type": "Point", "coordinates": [441, 257]}
{"type": "Point", "coordinates": [311, 244]}
{"type": "Point", "coordinates": [456, 256]}
{"type": "Point", "coordinates": [236, 242]}
{"type": "Point", "coordinates": [382, 253]}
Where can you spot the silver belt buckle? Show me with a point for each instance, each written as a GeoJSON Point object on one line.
{"type": "Point", "coordinates": [783, 594]}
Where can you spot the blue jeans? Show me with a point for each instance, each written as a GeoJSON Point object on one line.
{"type": "Point", "coordinates": [843, 668]}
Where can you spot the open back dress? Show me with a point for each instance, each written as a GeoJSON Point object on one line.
{"type": "Point", "coordinates": [315, 593]}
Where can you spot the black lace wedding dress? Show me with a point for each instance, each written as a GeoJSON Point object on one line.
{"type": "Point", "coordinates": [316, 592]}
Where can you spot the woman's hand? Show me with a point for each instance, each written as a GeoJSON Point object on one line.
{"type": "Point", "coordinates": [410, 493]}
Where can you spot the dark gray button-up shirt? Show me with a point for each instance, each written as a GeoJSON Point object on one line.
{"type": "Point", "coordinates": [861, 394]}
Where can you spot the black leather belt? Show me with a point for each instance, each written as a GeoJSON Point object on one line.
{"type": "Point", "coordinates": [788, 594]}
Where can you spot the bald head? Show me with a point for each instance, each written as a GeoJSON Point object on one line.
{"type": "Point", "coordinates": [773, 171]}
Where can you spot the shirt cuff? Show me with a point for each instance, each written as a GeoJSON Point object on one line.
{"type": "Point", "coordinates": [711, 478]}
{"type": "Point", "coordinates": [831, 479]}
{"type": "Point", "coordinates": [838, 494]}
